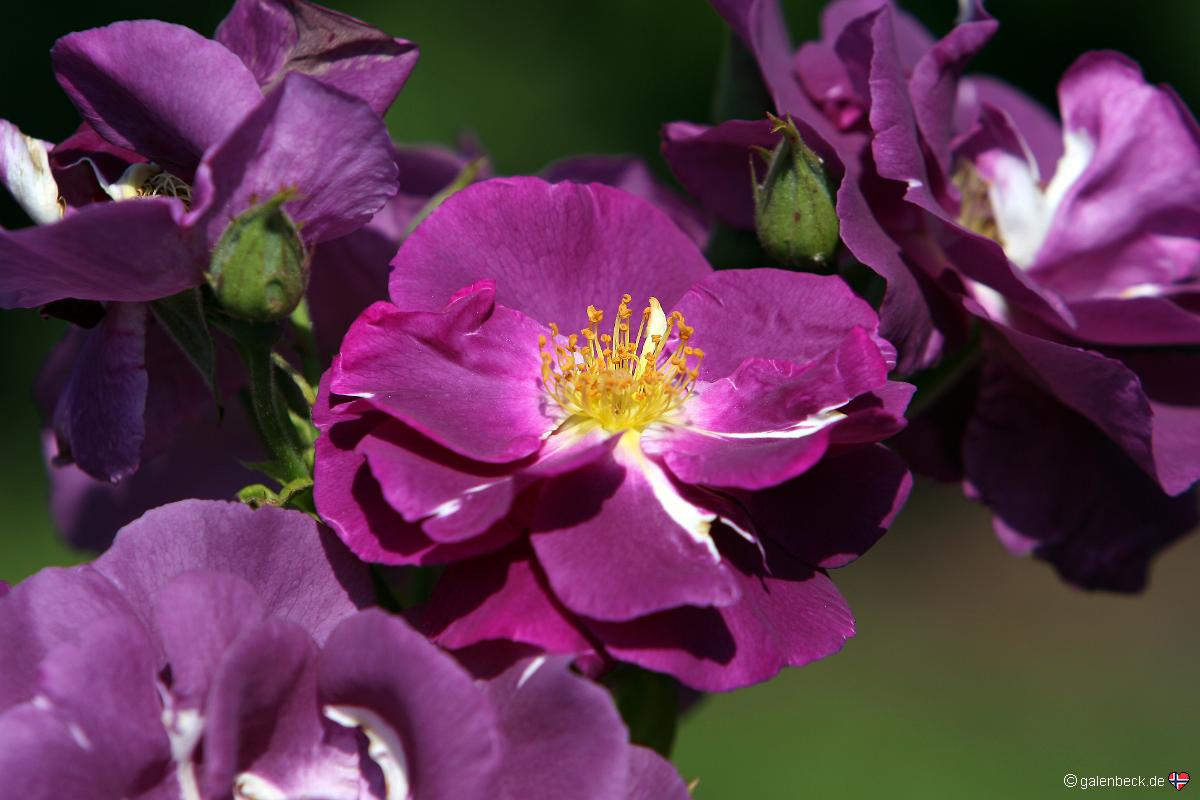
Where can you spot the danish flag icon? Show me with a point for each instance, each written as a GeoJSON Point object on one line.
{"type": "Point", "coordinates": [1178, 780]}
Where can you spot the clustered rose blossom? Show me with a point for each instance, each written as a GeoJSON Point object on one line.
{"type": "Point", "coordinates": [613, 457]}
{"type": "Point", "coordinates": [1074, 247]}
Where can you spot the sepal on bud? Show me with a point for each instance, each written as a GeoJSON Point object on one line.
{"type": "Point", "coordinates": [259, 268]}
{"type": "Point", "coordinates": [794, 211]}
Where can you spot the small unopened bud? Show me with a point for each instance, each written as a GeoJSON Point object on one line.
{"type": "Point", "coordinates": [794, 209]}
{"type": "Point", "coordinates": [259, 269]}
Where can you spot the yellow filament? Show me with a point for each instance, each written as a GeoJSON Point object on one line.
{"type": "Point", "coordinates": [623, 382]}
{"type": "Point", "coordinates": [164, 184]}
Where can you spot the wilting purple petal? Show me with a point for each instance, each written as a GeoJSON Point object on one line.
{"type": "Point", "coordinates": [514, 231]}
{"type": "Point", "coordinates": [277, 37]}
{"type": "Point", "coordinates": [617, 541]}
{"type": "Point", "coordinates": [898, 152]}
{"type": "Point", "coordinates": [98, 419]}
{"type": "Point", "coordinates": [1059, 488]}
{"type": "Point", "coordinates": [542, 708]}
{"type": "Point", "coordinates": [907, 315]}
{"type": "Point", "coordinates": [437, 727]}
{"type": "Point", "coordinates": [161, 90]}
{"type": "Point", "coordinates": [444, 373]}
{"type": "Point", "coordinates": [912, 39]}
{"type": "Point", "coordinates": [128, 252]}
{"type": "Point", "coordinates": [331, 150]}
{"type": "Point", "coordinates": [204, 463]}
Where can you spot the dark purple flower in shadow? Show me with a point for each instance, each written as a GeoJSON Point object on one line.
{"type": "Point", "coordinates": [216, 651]}
{"type": "Point", "coordinates": [1077, 245]}
{"type": "Point", "coordinates": [595, 484]}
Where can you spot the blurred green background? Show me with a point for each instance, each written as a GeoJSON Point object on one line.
{"type": "Point", "coordinates": [974, 674]}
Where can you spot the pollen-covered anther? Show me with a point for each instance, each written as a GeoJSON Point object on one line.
{"type": "Point", "coordinates": [164, 184]}
{"type": "Point", "coordinates": [622, 381]}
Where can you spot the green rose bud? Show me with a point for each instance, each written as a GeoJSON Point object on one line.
{"type": "Point", "coordinates": [259, 269]}
{"type": "Point", "coordinates": [794, 209]}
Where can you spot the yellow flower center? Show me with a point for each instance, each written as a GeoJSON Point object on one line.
{"type": "Point", "coordinates": [616, 378]}
{"type": "Point", "coordinates": [975, 213]}
{"type": "Point", "coordinates": [149, 180]}
{"type": "Point", "coordinates": [164, 184]}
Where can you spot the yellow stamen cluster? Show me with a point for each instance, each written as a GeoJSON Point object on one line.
{"type": "Point", "coordinates": [975, 212]}
{"type": "Point", "coordinates": [164, 184]}
{"type": "Point", "coordinates": [616, 378]}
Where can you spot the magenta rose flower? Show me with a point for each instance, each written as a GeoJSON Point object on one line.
{"type": "Point", "coordinates": [628, 490]}
{"type": "Point", "coordinates": [216, 651]}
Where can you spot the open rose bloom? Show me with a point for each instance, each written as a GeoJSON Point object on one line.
{"type": "Point", "coordinates": [216, 651]}
{"type": "Point", "coordinates": [1073, 245]}
{"type": "Point", "coordinates": [1077, 247]}
{"type": "Point", "coordinates": [660, 481]}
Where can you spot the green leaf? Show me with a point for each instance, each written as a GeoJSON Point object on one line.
{"type": "Point", "coordinates": [649, 704]}
{"type": "Point", "coordinates": [256, 495]}
{"type": "Point", "coordinates": [297, 494]}
{"type": "Point", "coordinates": [182, 317]}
